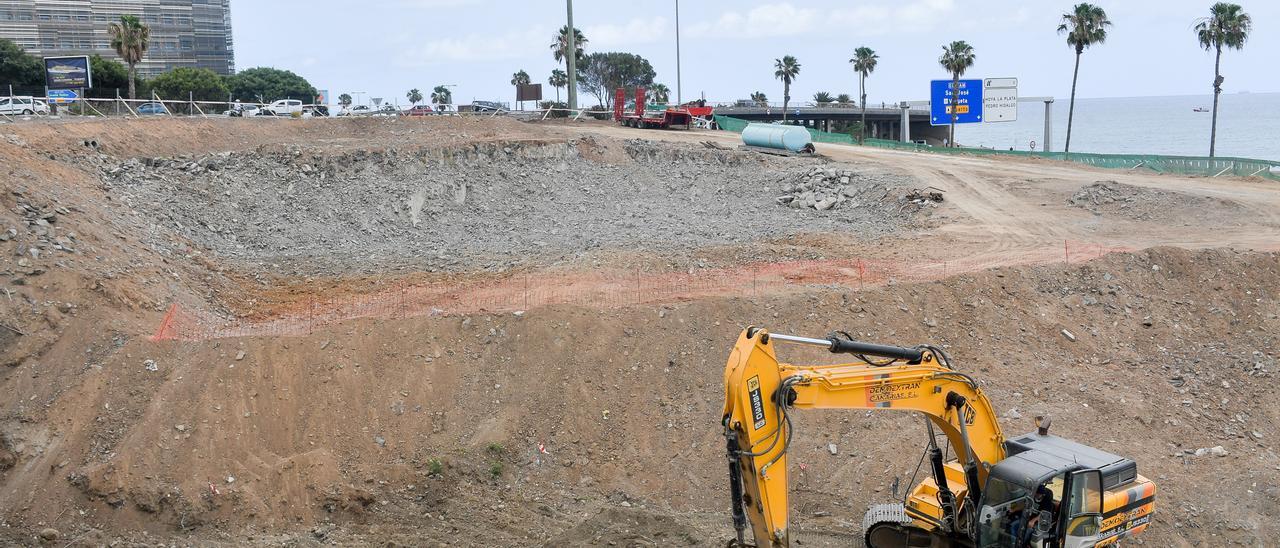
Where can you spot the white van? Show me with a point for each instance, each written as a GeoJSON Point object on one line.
{"type": "Point", "coordinates": [16, 106]}
{"type": "Point", "coordinates": [284, 107]}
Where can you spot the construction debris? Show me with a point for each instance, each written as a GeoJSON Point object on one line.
{"type": "Point", "coordinates": [925, 195]}
{"type": "Point", "coordinates": [827, 188]}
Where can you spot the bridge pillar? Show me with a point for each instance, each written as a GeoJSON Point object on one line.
{"type": "Point", "coordinates": [906, 121]}
{"type": "Point", "coordinates": [1048, 125]}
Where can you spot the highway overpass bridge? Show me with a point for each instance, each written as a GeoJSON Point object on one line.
{"type": "Point", "coordinates": [882, 122]}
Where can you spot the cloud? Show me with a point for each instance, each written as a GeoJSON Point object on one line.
{"type": "Point", "coordinates": [767, 20]}
{"type": "Point", "coordinates": [635, 31]}
{"type": "Point", "coordinates": [785, 19]}
{"type": "Point", "coordinates": [436, 4]}
{"type": "Point", "coordinates": [476, 47]}
{"type": "Point", "coordinates": [913, 16]}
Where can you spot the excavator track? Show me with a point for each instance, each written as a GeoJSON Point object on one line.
{"type": "Point", "coordinates": [887, 526]}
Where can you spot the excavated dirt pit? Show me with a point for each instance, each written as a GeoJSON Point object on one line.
{"type": "Point", "coordinates": [558, 425]}
{"type": "Point", "coordinates": [492, 205]}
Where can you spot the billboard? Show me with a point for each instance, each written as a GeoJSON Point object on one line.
{"type": "Point", "coordinates": [322, 97]}
{"type": "Point", "coordinates": [68, 72]}
{"type": "Point", "coordinates": [968, 102]}
{"type": "Point", "coordinates": [529, 92]}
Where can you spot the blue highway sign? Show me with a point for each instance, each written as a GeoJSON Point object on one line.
{"type": "Point", "coordinates": [968, 104]}
{"type": "Point", "coordinates": [63, 95]}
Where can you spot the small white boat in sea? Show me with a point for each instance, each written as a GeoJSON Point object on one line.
{"type": "Point", "coordinates": [1200, 109]}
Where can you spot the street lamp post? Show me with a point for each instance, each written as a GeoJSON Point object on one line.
{"type": "Point", "coordinates": [572, 53]}
{"type": "Point", "coordinates": [679, 100]}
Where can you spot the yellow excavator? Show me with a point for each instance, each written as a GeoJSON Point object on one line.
{"type": "Point", "coordinates": [1036, 490]}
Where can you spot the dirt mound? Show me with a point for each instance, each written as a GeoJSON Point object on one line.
{"type": "Point", "coordinates": [1144, 204]}
{"type": "Point", "coordinates": [488, 205]}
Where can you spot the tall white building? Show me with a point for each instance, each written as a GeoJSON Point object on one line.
{"type": "Point", "coordinates": [184, 33]}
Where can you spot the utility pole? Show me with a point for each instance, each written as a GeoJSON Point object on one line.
{"type": "Point", "coordinates": [679, 100]}
{"type": "Point", "coordinates": [572, 54]}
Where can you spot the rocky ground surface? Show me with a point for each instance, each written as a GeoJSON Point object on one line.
{"type": "Point", "coordinates": [484, 206]}
{"type": "Point", "coordinates": [827, 188]}
{"type": "Point", "coordinates": [561, 425]}
{"type": "Point", "coordinates": [1145, 204]}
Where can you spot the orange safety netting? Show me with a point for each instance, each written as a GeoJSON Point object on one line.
{"type": "Point", "coordinates": [601, 289]}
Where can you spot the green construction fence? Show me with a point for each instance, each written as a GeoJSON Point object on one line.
{"type": "Point", "coordinates": [1181, 165]}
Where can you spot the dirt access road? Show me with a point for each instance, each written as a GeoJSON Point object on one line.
{"type": "Point", "coordinates": [1005, 205]}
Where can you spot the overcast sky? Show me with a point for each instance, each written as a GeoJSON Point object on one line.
{"type": "Point", "coordinates": [386, 47]}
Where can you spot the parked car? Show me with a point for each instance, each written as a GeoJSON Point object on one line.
{"type": "Point", "coordinates": [486, 106]}
{"type": "Point", "coordinates": [284, 107]}
{"type": "Point", "coordinates": [315, 111]}
{"type": "Point", "coordinates": [152, 109]}
{"type": "Point", "coordinates": [358, 110]}
{"type": "Point", "coordinates": [26, 105]}
{"type": "Point", "coordinates": [420, 110]}
{"type": "Point", "coordinates": [245, 111]}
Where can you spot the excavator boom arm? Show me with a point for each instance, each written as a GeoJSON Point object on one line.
{"type": "Point", "coordinates": [760, 391]}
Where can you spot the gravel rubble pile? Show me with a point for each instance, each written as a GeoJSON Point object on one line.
{"type": "Point", "coordinates": [488, 205]}
{"type": "Point", "coordinates": [827, 188]}
{"type": "Point", "coordinates": [1144, 204]}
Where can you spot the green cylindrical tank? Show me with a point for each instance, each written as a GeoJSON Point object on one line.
{"type": "Point", "coordinates": [793, 138]}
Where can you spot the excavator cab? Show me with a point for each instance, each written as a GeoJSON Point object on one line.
{"type": "Point", "coordinates": [1022, 511]}
{"type": "Point", "coordinates": [1048, 492]}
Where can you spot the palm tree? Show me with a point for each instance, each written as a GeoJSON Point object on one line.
{"type": "Point", "coordinates": [1085, 25]}
{"type": "Point", "coordinates": [441, 95]}
{"type": "Point", "coordinates": [558, 79]}
{"type": "Point", "coordinates": [760, 99]}
{"type": "Point", "coordinates": [1227, 25]}
{"type": "Point", "coordinates": [956, 58]}
{"type": "Point", "coordinates": [560, 47]}
{"type": "Point", "coordinates": [786, 70]}
{"type": "Point", "coordinates": [822, 98]}
{"type": "Point", "coordinates": [864, 61]}
{"type": "Point", "coordinates": [518, 79]}
{"type": "Point", "coordinates": [130, 38]}
{"type": "Point", "coordinates": [414, 96]}
{"type": "Point", "coordinates": [660, 93]}
{"type": "Point", "coordinates": [844, 99]}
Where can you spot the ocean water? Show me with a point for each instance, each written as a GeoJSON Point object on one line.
{"type": "Point", "coordinates": [1248, 126]}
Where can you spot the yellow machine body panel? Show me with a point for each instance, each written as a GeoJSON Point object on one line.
{"type": "Point", "coordinates": [1127, 510]}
